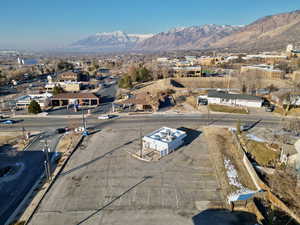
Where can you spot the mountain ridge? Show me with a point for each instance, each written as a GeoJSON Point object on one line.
{"type": "Point", "coordinates": [271, 32]}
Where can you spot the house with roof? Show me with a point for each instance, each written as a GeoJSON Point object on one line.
{"type": "Point", "coordinates": [141, 102]}
{"type": "Point", "coordinates": [231, 99]}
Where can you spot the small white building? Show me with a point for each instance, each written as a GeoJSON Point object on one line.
{"type": "Point", "coordinates": [224, 98]}
{"type": "Point", "coordinates": [164, 140]}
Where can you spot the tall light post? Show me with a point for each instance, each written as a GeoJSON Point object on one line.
{"type": "Point", "coordinates": [208, 115]}
{"type": "Point", "coordinates": [47, 162]}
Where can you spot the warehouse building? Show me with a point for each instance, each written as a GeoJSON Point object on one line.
{"type": "Point", "coordinates": [164, 140]}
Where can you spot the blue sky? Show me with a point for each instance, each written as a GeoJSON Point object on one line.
{"type": "Point", "coordinates": [39, 24]}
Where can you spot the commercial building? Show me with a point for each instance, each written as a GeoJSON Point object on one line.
{"type": "Point", "coordinates": [83, 99]}
{"type": "Point", "coordinates": [187, 71]}
{"type": "Point", "coordinates": [67, 86]}
{"type": "Point", "coordinates": [69, 76]}
{"type": "Point", "coordinates": [162, 60]}
{"type": "Point", "coordinates": [164, 140]}
{"type": "Point", "coordinates": [24, 101]}
{"type": "Point", "coordinates": [266, 71]}
{"type": "Point", "coordinates": [224, 98]}
{"type": "Point", "coordinates": [209, 61]}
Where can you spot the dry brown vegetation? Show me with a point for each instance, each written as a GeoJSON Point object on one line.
{"type": "Point", "coordinates": [67, 142]}
{"type": "Point", "coordinates": [284, 184]}
{"type": "Point", "coordinates": [227, 109]}
{"type": "Point", "coordinates": [221, 146]}
{"type": "Point", "coordinates": [261, 153]}
{"type": "Point", "coordinates": [14, 139]}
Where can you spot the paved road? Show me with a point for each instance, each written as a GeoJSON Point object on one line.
{"type": "Point", "coordinates": [50, 137]}
{"type": "Point", "coordinates": [188, 119]}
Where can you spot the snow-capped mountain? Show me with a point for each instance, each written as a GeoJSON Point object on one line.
{"type": "Point", "coordinates": [268, 33]}
{"type": "Point", "coordinates": [188, 37]}
{"type": "Point", "coordinates": [117, 40]}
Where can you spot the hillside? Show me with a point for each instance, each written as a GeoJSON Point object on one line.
{"type": "Point", "coordinates": [187, 38]}
{"type": "Point", "coordinates": [269, 33]}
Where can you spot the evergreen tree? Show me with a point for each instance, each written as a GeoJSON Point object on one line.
{"type": "Point", "coordinates": [34, 107]}
{"type": "Point", "coordinates": [57, 90]}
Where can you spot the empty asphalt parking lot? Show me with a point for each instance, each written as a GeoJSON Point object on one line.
{"type": "Point", "coordinates": [103, 184]}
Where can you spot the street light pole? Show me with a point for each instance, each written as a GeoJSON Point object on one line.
{"type": "Point", "coordinates": [208, 116]}
{"type": "Point", "coordinates": [46, 150]}
{"type": "Point", "coordinates": [141, 144]}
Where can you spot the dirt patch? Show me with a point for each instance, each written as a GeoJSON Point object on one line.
{"type": "Point", "coordinates": [12, 140]}
{"type": "Point", "coordinates": [67, 142]}
{"type": "Point", "coordinates": [192, 100]}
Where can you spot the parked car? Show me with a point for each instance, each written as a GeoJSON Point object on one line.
{"type": "Point", "coordinates": [8, 122]}
{"type": "Point", "coordinates": [60, 130]}
{"type": "Point", "coordinates": [203, 101]}
{"type": "Point", "coordinates": [79, 129]}
{"type": "Point", "coordinates": [104, 117]}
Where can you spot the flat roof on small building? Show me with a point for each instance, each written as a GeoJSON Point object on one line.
{"type": "Point", "coordinates": [166, 134]}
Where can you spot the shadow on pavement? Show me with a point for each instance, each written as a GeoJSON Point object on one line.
{"type": "Point", "coordinates": [224, 217]}
{"type": "Point", "coordinates": [191, 134]}
{"type": "Point", "coordinates": [106, 99]}
{"type": "Point", "coordinates": [113, 200]}
{"type": "Point", "coordinates": [96, 159]}
{"type": "Point", "coordinates": [250, 126]}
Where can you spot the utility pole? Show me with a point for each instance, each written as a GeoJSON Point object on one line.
{"type": "Point", "coordinates": [83, 119]}
{"type": "Point", "coordinates": [46, 170]}
{"type": "Point", "coordinates": [141, 144]}
{"type": "Point", "coordinates": [47, 162]}
{"type": "Point", "coordinates": [229, 79]}
{"type": "Point", "coordinates": [85, 132]}
{"type": "Point", "coordinates": [23, 133]}
{"type": "Point", "coordinates": [208, 116]}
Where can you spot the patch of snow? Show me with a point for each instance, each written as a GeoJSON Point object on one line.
{"type": "Point", "coordinates": [233, 180]}
{"type": "Point", "coordinates": [255, 138]}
